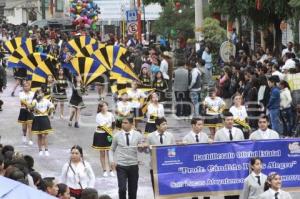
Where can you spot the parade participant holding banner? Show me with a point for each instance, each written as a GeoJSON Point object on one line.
{"type": "Point", "coordinates": [272, 188]}
{"type": "Point", "coordinates": [229, 133]}
{"type": "Point", "coordinates": [26, 116]}
{"type": "Point", "coordinates": [103, 135]}
{"type": "Point", "coordinates": [196, 136]}
{"type": "Point", "coordinates": [160, 137]}
{"type": "Point", "coordinates": [154, 110]}
{"type": "Point", "coordinates": [254, 183]}
{"type": "Point", "coordinates": [126, 144]}
{"type": "Point", "coordinates": [41, 126]}
{"type": "Point", "coordinates": [263, 132]}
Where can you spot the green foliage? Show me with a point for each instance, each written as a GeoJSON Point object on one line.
{"type": "Point", "coordinates": [213, 33]}
{"type": "Point", "coordinates": [172, 23]}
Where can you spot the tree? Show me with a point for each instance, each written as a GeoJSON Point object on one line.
{"type": "Point", "coordinates": [261, 12]}
{"type": "Point", "coordinates": [172, 23]}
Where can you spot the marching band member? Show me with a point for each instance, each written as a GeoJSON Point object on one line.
{"type": "Point", "coordinates": [154, 110]}
{"type": "Point", "coordinates": [26, 116]}
{"type": "Point", "coordinates": [41, 126]}
{"type": "Point", "coordinates": [240, 115]}
{"type": "Point", "coordinates": [254, 183]}
{"type": "Point", "coordinates": [214, 106]}
{"type": "Point", "coordinates": [48, 87]}
{"type": "Point", "coordinates": [135, 96]}
{"type": "Point", "coordinates": [20, 74]}
{"type": "Point", "coordinates": [103, 136]}
{"type": "Point", "coordinates": [59, 91]}
{"type": "Point", "coordinates": [123, 110]}
{"type": "Point", "coordinates": [76, 101]}
{"type": "Point", "coordinates": [145, 77]}
{"type": "Point", "coordinates": [160, 85]}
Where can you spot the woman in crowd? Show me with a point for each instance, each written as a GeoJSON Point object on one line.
{"type": "Point", "coordinates": [41, 126]}
{"type": "Point", "coordinates": [103, 136]}
{"type": "Point", "coordinates": [286, 108]}
{"type": "Point", "coordinates": [224, 86]}
{"type": "Point", "coordinates": [135, 96]}
{"type": "Point", "coordinates": [63, 191]}
{"type": "Point", "coordinates": [214, 106]}
{"type": "Point", "coordinates": [26, 116]}
{"type": "Point", "coordinates": [154, 110]}
{"type": "Point", "coordinates": [240, 115]}
{"type": "Point", "coordinates": [254, 183]}
{"type": "Point", "coordinates": [123, 110]}
{"type": "Point", "coordinates": [273, 188]}
{"type": "Point", "coordinates": [160, 85]}
{"type": "Point", "coordinates": [145, 77]}
{"type": "Point", "coordinates": [59, 91]}
{"type": "Point", "coordinates": [77, 174]}
{"type": "Point", "coordinates": [76, 101]}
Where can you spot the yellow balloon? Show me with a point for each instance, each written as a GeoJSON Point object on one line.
{"type": "Point", "coordinates": [78, 8]}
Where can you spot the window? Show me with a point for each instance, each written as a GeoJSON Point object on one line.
{"type": "Point", "coordinates": [59, 5]}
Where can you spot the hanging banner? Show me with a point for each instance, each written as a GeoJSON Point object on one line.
{"type": "Point", "coordinates": [220, 168]}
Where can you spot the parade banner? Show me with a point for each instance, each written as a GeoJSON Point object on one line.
{"type": "Point", "coordinates": [220, 168]}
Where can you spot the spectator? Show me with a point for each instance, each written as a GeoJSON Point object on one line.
{"type": "Point", "coordinates": [89, 193]}
{"type": "Point", "coordinates": [286, 108]}
{"type": "Point", "coordinates": [63, 191]}
{"type": "Point", "coordinates": [195, 87]}
{"type": "Point", "coordinates": [49, 186]}
{"type": "Point", "coordinates": [274, 105]}
{"type": "Point", "coordinates": [207, 57]}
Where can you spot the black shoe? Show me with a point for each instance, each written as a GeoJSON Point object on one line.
{"type": "Point", "coordinates": [1, 109]}
{"type": "Point", "coordinates": [76, 125]}
{"type": "Point", "coordinates": [70, 124]}
{"type": "Point", "coordinates": [12, 94]}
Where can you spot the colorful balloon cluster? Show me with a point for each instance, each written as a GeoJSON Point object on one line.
{"type": "Point", "coordinates": [84, 13]}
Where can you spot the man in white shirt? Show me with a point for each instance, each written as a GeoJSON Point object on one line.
{"type": "Point", "coordinates": [228, 133]}
{"type": "Point", "coordinates": [289, 49]}
{"type": "Point", "coordinates": [196, 135]}
{"type": "Point", "coordinates": [159, 137]}
{"type": "Point", "coordinates": [263, 132]}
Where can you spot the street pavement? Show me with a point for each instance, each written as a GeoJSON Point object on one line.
{"type": "Point", "coordinates": [64, 137]}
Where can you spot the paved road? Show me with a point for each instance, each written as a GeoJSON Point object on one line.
{"type": "Point", "coordinates": [64, 137]}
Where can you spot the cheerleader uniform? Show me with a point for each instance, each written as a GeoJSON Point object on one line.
{"type": "Point", "coordinates": [135, 96]}
{"type": "Point", "coordinates": [25, 116]}
{"type": "Point", "coordinates": [123, 109]}
{"type": "Point", "coordinates": [41, 123]}
{"type": "Point", "coordinates": [48, 91]}
{"type": "Point", "coordinates": [214, 108]}
{"type": "Point", "coordinates": [239, 118]}
{"type": "Point", "coordinates": [161, 87]}
{"type": "Point", "coordinates": [76, 98]}
{"type": "Point", "coordinates": [146, 81]}
{"type": "Point", "coordinates": [103, 134]}
{"type": "Point", "coordinates": [59, 90]}
{"type": "Point", "coordinates": [153, 112]}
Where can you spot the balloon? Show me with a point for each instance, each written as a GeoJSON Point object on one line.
{"type": "Point", "coordinates": [87, 25]}
{"type": "Point", "coordinates": [90, 21]}
{"type": "Point", "coordinates": [78, 8]}
{"type": "Point", "coordinates": [94, 26]}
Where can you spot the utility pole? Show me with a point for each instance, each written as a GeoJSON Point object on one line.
{"type": "Point", "coordinates": [199, 20]}
{"type": "Point", "coordinates": [139, 20]}
{"type": "Point", "coordinates": [43, 9]}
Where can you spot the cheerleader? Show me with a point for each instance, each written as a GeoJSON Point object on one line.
{"type": "Point", "coordinates": [214, 106]}
{"type": "Point", "coordinates": [47, 88]}
{"type": "Point", "coordinates": [59, 91]}
{"type": "Point", "coordinates": [160, 85]}
{"type": "Point", "coordinates": [76, 101]}
{"type": "Point", "coordinates": [123, 110]}
{"type": "Point", "coordinates": [154, 110]}
{"type": "Point", "coordinates": [254, 183]}
{"type": "Point", "coordinates": [145, 77]}
{"type": "Point", "coordinates": [26, 116]}
{"type": "Point", "coordinates": [103, 136]}
{"type": "Point", "coordinates": [41, 126]}
{"type": "Point", "coordinates": [135, 96]}
{"type": "Point", "coordinates": [240, 115]}
{"type": "Point", "coordinates": [20, 74]}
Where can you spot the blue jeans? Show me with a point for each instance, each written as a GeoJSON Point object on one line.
{"type": "Point", "coordinates": [195, 98]}
{"type": "Point", "coordinates": [276, 123]}
{"type": "Point", "coordinates": [288, 120]}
